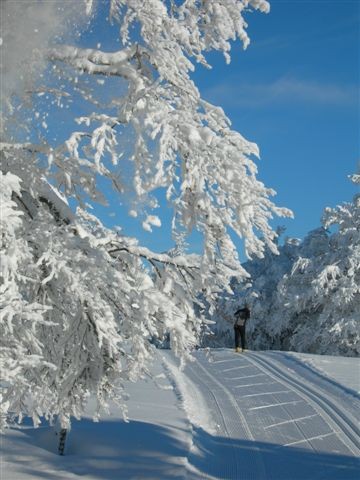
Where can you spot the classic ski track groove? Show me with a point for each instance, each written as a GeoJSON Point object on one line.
{"type": "Point", "coordinates": [260, 474]}
{"type": "Point", "coordinates": [349, 433]}
{"type": "Point", "coordinates": [192, 472]}
{"type": "Point", "coordinates": [221, 415]}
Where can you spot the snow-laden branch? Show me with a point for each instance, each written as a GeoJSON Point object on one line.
{"type": "Point", "coordinates": [181, 261]}
{"type": "Point", "coordinates": [82, 306]}
{"type": "Point", "coordinates": [27, 146]}
{"type": "Point", "coordinates": [97, 62]}
{"type": "Point", "coordinates": [307, 298]}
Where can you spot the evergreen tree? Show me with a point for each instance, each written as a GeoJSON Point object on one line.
{"type": "Point", "coordinates": [307, 298]}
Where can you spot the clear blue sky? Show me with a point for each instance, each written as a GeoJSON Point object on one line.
{"type": "Point", "coordinates": [295, 92]}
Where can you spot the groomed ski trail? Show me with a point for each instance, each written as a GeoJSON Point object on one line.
{"type": "Point", "coordinates": [274, 421]}
{"type": "Point", "coordinates": [339, 420]}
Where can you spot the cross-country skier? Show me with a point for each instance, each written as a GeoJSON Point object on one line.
{"type": "Point", "coordinates": [241, 316]}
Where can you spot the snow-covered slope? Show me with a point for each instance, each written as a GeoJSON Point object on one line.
{"type": "Point", "coordinates": [258, 415]}
{"type": "Point", "coordinates": [153, 445]}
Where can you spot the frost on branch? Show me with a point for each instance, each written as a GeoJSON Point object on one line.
{"type": "Point", "coordinates": [308, 298]}
{"type": "Point", "coordinates": [89, 304]}
{"type": "Point", "coordinates": [181, 143]}
{"type": "Point", "coordinates": [80, 311]}
{"type": "Point", "coordinates": [20, 315]}
{"type": "Point", "coordinates": [324, 292]}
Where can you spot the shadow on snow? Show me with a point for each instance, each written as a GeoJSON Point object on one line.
{"type": "Point", "coordinates": [218, 457]}
{"type": "Point", "coordinates": [136, 450]}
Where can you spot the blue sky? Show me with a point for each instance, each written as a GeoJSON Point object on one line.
{"type": "Point", "coordinates": [295, 92]}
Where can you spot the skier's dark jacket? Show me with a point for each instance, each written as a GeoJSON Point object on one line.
{"type": "Point", "coordinates": [241, 316]}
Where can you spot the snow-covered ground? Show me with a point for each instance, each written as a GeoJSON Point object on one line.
{"type": "Point", "coordinates": [258, 415]}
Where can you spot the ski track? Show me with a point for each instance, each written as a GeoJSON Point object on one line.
{"type": "Point", "coordinates": [231, 424]}
{"type": "Point", "coordinates": [339, 421]}
{"type": "Point", "coordinates": [286, 410]}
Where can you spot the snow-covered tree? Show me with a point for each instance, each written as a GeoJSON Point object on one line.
{"type": "Point", "coordinates": [259, 292]}
{"type": "Point", "coordinates": [323, 288]}
{"type": "Point", "coordinates": [81, 304]}
{"type": "Point", "coordinates": [307, 298]}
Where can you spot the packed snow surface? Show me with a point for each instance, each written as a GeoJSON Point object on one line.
{"type": "Point", "coordinates": [256, 415]}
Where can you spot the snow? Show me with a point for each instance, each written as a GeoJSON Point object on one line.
{"type": "Point", "coordinates": [306, 298]}
{"type": "Point", "coordinates": [344, 370]}
{"type": "Point", "coordinates": [79, 297]}
{"type": "Point", "coordinates": [259, 415]}
{"type": "Point", "coordinates": [151, 220]}
{"type": "Point", "coordinates": [81, 305]}
{"type": "Point", "coordinates": [191, 399]}
{"type": "Point", "coordinates": [89, 6]}
{"type": "Point", "coordinates": [153, 445]}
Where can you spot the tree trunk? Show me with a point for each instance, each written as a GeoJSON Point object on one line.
{"type": "Point", "coordinates": [62, 438]}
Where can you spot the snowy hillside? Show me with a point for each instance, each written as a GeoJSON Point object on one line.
{"type": "Point", "coordinates": [258, 415]}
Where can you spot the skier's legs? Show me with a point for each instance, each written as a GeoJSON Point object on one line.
{"type": "Point", "coordinates": [237, 337]}
{"type": "Point", "coordinates": [242, 335]}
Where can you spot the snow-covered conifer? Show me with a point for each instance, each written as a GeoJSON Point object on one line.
{"type": "Point", "coordinates": [307, 298]}
{"type": "Point", "coordinates": [327, 302]}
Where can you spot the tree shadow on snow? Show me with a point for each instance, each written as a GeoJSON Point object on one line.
{"type": "Point", "coordinates": [111, 450]}
{"type": "Point", "coordinates": [106, 450]}
{"type": "Point", "coordinates": [218, 457]}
